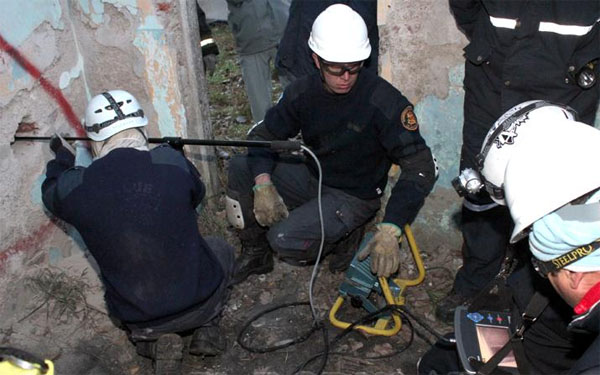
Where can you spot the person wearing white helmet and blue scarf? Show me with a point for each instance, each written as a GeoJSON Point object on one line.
{"type": "Point", "coordinates": [565, 247]}
{"type": "Point", "coordinates": [552, 190]}
{"type": "Point", "coordinates": [538, 160]}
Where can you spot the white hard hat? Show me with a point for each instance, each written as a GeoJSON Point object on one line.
{"type": "Point", "coordinates": [559, 166]}
{"type": "Point", "coordinates": [339, 34]}
{"type": "Point", "coordinates": [517, 128]}
{"type": "Point", "coordinates": [111, 112]}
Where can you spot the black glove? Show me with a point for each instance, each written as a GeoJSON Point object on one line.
{"type": "Point", "coordinates": [175, 142]}
{"type": "Point", "coordinates": [57, 143]}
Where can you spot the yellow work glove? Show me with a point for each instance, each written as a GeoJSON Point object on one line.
{"type": "Point", "coordinates": [268, 205]}
{"type": "Point", "coordinates": [384, 250]}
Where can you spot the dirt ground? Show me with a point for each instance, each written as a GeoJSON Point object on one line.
{"type": "Point", "coordinates": [57, 312]}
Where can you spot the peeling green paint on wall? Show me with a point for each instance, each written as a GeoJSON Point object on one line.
{"type": "Point", "coordinates": [161, 75]}
{"type": "Point", "coordinates": [441, 125]}
{"type": "Point", "coordinates": [19, 19]}
{"type": "Point", "coordinates": [95, 8]}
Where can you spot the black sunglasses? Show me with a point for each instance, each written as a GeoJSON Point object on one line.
{"type": "Point", "coordinates": [338, 70]}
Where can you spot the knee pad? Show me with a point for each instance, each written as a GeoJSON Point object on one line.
{"type": "Point", "coordinates": [294, 252]}
{"type": "Point", "coordinates": [234, 213]}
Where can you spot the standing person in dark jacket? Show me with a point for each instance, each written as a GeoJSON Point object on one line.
{"type": "Point", "coordinates": [357, 124]}
{"type": "Point", "coordinates": [294, 57]}
{"type": "Point", "coordinates": [135, 209]}
{"type": "Point", "coordinates": [209, 47]}
{"type": "Point", "coordinates": [257, 27]}
{"type": "Point", "coordinates": [518, 51]}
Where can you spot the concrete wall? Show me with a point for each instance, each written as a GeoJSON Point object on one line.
{"type": "Point", "coordinates": [71, 50]}
{"type": "Point", "coordinates": [421, 54]}
{"type": "Point", "coordinates": [84, 47]}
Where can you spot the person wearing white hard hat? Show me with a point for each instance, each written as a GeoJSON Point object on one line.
{"type": "Point", "coordinates": [135, 209]}
{"type": "Point", "coordinates": [294, 55]}
{"type": "Point", "coordinates": [517, 51]}
{"type": "Point", "coordinates": [536, 159]}
{"type": "Point", "coordinates": [558, 205]}
{"type": "Point", "coordinates": [357, 124]}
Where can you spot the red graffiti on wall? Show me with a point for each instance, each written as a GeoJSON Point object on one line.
{"type": "Point", "coordinates": [55, 93]}
{"type": "Point", "coordinates": [164, 7]}
{"type": "Point", "coordinates": [43, 232]}
{"type": "Point", "coordinates": [29, 242]}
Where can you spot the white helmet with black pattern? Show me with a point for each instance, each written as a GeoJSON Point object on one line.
{"type": "Point", "coordinates": [112, 112]}
{"type": "Point", "coordinates": [520, 127]}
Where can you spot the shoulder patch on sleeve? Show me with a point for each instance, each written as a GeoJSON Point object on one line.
{"type": "Point", "coordinates": [409, 119]}
{"type": "Point", "coordinates": [387, 99]}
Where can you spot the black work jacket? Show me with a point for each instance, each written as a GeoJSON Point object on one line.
{"type": "Point", "coordinates": [356, 137]}
{"type": "Point", "coordinates": [136, 213]}
{"type": "Point", "coordinates": [531, 49]}
{"type": "Point", "coordinates": [588, 322]}
{"type": "Point", "coordinates": [549, 346]}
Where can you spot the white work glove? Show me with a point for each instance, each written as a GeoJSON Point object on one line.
{"type": "Point", "coordinates": [384, 250]}
{"type": "Point", "coordinates": [268, 205]}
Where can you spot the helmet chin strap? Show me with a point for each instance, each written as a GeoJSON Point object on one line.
{"type": "Point", "coordinates": [142, 130]}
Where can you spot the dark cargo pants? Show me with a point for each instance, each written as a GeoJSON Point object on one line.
{"type": "Point", "coordinates": [298, 237]}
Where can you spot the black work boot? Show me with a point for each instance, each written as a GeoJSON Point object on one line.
{"type": "Point", "coordinates": [344, 250]}
{"type": "Point", "coordinates": [207, 341]}
{"type": "Point", "coordinates": [168, 354]}
{"type": "Point", "coordinates": [256, 257]}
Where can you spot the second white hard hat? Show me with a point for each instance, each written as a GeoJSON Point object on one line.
{"type": "Point", "coordinates": [560, 166]}
{"type": "Point", "coordinates": [339, 34]}
{"type": "Point", "coordinates": [519, 127]}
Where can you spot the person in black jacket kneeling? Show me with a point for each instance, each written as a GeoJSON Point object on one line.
{"type": "Point", "coordinates": [135, 209]}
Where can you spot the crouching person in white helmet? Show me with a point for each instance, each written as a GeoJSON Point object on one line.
{"type": "Point", "coordinates": [135, 210]}
{"type": "Point", "coordinates": [541, 163]}
{"type": "Point", "coordinates": [357, 124]}
{"type": "Point", "coordinates": [558, 204]}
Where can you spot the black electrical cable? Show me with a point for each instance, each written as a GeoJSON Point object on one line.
{"type": "Point", "coordinates": [268, 349]}
{"type": "Point", "coordinates": [327, 344]}
{"type": "Point", "coordinates": [422, 323]}
{"type": "Point", "coordinates": [405, 313]}
{"type": "Point", "coordinates": [350, 328]}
